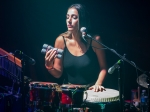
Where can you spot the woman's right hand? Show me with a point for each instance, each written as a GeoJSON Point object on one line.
{"type": "Point", "coordinates": [49, 57]}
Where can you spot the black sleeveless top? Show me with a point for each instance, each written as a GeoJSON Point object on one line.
{"type": "Point", "coordinates": [82, 69]}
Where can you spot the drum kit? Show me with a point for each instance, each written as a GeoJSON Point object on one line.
{"type": "Point", "coordinates": [51, 97]}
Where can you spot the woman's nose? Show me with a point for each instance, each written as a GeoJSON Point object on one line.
{"type": "Point", "coordinates": [69, 20]}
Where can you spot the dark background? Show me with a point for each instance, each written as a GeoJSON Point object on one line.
{"type": "Point", "coordinates": [123, 25]}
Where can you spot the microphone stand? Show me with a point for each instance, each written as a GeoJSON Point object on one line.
{"type": "Point", "coordinates": [119, 70]}
{"type": "Point", "coordinates": [148, 100]}
{"type": "Point", "coordinates": [112, 50]}
{"type": "Point", "coordinates": [23, 63]}
{"type": "Point", "coordinates": [22, 84]}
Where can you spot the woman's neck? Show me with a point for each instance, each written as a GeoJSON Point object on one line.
{"type": "Point", "coordinates": [76, 36]}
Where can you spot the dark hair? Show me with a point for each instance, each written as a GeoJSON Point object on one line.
{"type": "Point", "coordinates": [84, 20]}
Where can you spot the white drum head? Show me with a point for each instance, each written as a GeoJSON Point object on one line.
{"type": "Point", "coordinates": [110, 95]}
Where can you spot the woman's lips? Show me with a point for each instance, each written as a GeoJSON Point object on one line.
{"type": "Point", "coordinates": [69, 26]}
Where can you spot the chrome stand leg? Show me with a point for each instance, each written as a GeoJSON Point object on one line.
{"type": "Point", "coordinates": [102, 107]}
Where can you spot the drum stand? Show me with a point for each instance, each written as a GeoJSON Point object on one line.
{"type": "Point", "coordinates": [102, 106]}
{"type": "Point", "coordinates": [120, 85]}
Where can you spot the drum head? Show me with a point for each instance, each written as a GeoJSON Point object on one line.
{"type": "Point", "coordinates": [110, 95]}
{"type": "Point", "coordinates": [108, 100]}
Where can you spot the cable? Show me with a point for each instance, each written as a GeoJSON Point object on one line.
{"type": "Point", "coordinates": [94, 46]}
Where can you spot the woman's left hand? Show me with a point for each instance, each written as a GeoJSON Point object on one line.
{"type": "Point", "coordinates": [97, 88]}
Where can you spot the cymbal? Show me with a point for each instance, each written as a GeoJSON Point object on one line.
{"type": "Point", "coordinates": [142, 80]}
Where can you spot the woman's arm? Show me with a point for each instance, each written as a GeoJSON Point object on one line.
{"type": "Point", "coordinates": [52, 63]}
{"type": "Point", "coordinates": [102, 64]}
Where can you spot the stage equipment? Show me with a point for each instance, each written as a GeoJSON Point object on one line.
{"type": "Point", "coordinates": [43, 95]}
{"type": "Point", "coordinates": [85, 35]}
{"type": "Point", "coordinates": [10, 84]}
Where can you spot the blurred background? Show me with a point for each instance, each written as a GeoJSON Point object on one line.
{"type": "Point", "coordinates": [123, 26]}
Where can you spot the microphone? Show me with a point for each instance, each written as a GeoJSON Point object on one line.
{"type": "Point", "coordinates": [83, 31]}
{"type": "Point", "coordinates": [47, 47]}
{"type": "Point", "coordinates": [116, 65]}
{"type": "Point", "coordinates": [30, 60]}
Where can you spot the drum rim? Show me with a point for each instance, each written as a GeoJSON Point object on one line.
{"type": "Point", "coordinates": [73, 86]}
{"type": "Point", "coordinates": [72, 89]}
{"type": "Point", "coordinates": [41, 82]}
{"type": "Point", "coordinates": [44, 85]}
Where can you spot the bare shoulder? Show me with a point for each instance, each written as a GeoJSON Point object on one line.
{"type": "Point", "coordinates": [97, 49]}
{"type": "Point", "coordinates": [94, 43]}
{"type": "Point", "coordinates": [59, 42]}
{"type": "Point", "coordinates": [96, 37]}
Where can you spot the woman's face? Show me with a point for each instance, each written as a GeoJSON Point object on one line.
{"type": "Point", "coordinates": [72, 20]}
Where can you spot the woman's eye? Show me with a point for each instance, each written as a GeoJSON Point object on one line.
{"type": "Point", "coordinates": [75, 17]}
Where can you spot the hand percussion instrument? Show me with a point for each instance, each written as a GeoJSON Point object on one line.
{"type": "Point", "coordinates": [72, 95]}
{"type": "Point", "coordinates": [100, 99]}
{"type": "Point", "coordinates": [43, 93]}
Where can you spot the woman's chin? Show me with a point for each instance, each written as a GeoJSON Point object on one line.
{"type": "Point", "coordinates": [70, 29]}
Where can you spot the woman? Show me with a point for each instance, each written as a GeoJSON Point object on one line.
{"type": "Point", "coordinates": [82, 63]}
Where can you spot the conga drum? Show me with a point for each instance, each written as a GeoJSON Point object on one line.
{"type": "Point", "coordinates": [43, 94]}
{"type": "Point", "coordinates": [72, 95]}
{"type": "Point", "coordinates": [100, 101]}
